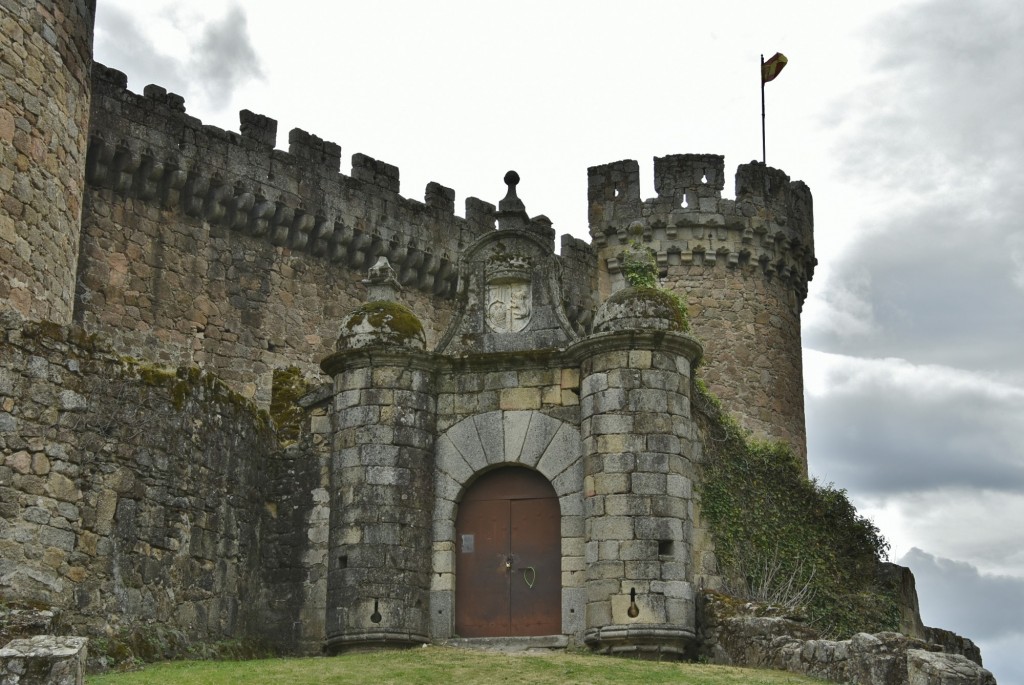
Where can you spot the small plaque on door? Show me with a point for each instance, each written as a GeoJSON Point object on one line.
{"type": "Point", "coordinates": [467, 543]}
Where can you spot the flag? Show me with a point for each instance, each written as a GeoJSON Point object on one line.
{"type": "Point", "coordinates": [771, 68]}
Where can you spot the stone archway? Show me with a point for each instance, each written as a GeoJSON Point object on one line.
{"type": "Point", "coordinates": [485, 442]}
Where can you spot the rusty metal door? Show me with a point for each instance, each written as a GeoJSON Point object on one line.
{"type": "Point", "coordinates": [508, 578]}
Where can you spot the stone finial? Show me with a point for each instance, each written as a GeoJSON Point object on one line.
{"type": "Point", "coordinates": [381, 282]}
{"type": "Point", "coordinates": [511, 202]}
{"type": "Point", "coordinates": [511, 210]}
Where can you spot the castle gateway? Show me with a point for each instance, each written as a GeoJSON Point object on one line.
{"type": "Point", "coordinates": [472, 434]}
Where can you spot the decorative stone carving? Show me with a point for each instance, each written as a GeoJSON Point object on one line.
{"type": "Point", "coordinates": [509, 294]}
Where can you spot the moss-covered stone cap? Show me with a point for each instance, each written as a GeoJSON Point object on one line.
{"type": "Point", "coordinates": [382, 323]}
{"type": "Point", "coordinates": [639, 308]}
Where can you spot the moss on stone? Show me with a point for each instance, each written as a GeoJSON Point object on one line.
{"type": "Point", "coordinates": [155, 375]}
{"type": "Point", "coordinates": [645, 302]}
{"type": "Point", "coordinates": [390, 323]}
{"type": "Point", "coordinates": [289, 386]}
{"type": "Point", "coordinates": [395, 316]}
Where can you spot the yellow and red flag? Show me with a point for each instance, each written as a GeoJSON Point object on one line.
{"type": "Point", "coordinates": [771, 68]}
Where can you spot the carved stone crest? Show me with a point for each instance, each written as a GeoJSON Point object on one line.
{"type": "Point", "coordinates": [509, 294]}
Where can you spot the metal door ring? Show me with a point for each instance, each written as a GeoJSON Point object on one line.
{"type": "Point", "coordinates": [529, 581]}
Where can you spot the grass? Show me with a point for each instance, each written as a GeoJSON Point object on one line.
{"type": "Point", "coordinates": [446, 665]}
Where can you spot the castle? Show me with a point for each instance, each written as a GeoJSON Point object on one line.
{"type": "Point", "coordinates": [472, 434]}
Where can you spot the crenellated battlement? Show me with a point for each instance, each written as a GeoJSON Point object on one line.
{"type": "Point", "coordinates": [769, 225]}
{"type": "Point", "coordinates": [147, 147]}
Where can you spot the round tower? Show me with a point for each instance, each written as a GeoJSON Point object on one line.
{"type": "Point", "coordinates": [382, 486]}
{"type": "Point", "coordinates": [640, 456]}
{"type": "Point", "coordinates": [742, 265]}
{"type": "Point", "coordinates": [46, 55]}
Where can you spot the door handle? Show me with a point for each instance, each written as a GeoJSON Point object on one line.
{"type": "Point", "coordinates": [532, 578]}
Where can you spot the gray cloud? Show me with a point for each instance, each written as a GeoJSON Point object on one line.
{"type": "Point", "coordinates": [224, 57]}
{"type": "Point", "coordinates": [938, 272]}
{"type": "Point", "coordinates": [220, 57]}
{"type": "Point", "coordinates": [948, 100]}
{"type": "Point", "coordinates": [886, 426]}
{"type": "Point", "coordinates": [121, 43]}
{"type": "Point", "coordinates": [987, 608]}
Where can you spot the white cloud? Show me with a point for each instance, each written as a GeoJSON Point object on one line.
{"type": "Point", "coordinates": [954, 523]}
{"type": "Point", "coordinates": [837, 374]}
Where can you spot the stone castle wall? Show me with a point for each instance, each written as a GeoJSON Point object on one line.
{"type": "Point", "coordinates": [45, 60]}
{"type": "Point", "coordinates": [742, 265]}
{"type": "Point", "coordinates": [203, 246]}
{"type": "Point", "coordinates": [130, 496]}
{"type": "Point", "coordinates": [133, 495]}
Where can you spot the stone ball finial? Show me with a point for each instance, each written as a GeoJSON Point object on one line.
{"type": "Point", "coordinates": [511, 202]}
{"type": "Point", "coordinates": [381, 281]}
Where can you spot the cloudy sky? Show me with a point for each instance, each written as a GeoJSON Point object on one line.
{"type": "Point", "coordinates": [905, 118]}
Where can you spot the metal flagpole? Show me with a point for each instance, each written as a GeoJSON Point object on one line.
{"type": "Point", "coordinates": [761, 75]}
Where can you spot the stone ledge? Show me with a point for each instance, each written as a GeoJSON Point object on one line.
{"type": "Point", "coordinates": [44, 660]}
{"type": "Point", "coordinates": [510, 644]}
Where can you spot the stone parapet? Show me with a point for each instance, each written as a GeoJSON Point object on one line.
{"type": "Point", "coordinates": [148, 149]}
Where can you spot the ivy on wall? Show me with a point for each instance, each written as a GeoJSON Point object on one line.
{"type": "Point", "coordinates": [640, 269]}
{"type": "Point", "coordinates": [781, 538]}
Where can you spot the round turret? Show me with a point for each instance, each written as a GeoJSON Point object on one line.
{"type": "Point", "coordinates": [382, 323]}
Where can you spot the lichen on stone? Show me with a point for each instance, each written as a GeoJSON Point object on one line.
{"type": "Point", "coordinates": [382, 323]}
{"type": "Point", "coordinates": [642, 308]}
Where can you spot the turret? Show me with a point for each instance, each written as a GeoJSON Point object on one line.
{"type": "Point", "coordinates": [44, 125]}
{"type": "Point", "coordinates": [384, 410]}
{"type": "Point", "coordinates": [640, 455]}
{"type": "Point", "coordinates": [743, 266]}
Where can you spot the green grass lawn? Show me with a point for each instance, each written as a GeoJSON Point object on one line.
{"type": "Point", "coordinates": [445, 665]}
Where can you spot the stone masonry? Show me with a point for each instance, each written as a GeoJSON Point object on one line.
{"type": "Point", "coordinates": [46, 60]}
{"type": "Point", "coordinates": [249, 400]}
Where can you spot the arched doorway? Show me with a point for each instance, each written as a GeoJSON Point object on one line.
{"type": "Point", "coordinates": [508, 571]}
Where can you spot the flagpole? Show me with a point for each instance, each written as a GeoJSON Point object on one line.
{"type": "Point", "coordinates": [763, 148]}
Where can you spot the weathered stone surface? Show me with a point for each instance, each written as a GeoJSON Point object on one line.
{"type": "Point", "coordinates": [156, 493]}
{"type": "Point", "coordinates": [44, 660]}
{"type": "Point", "coordinates": [742, 635]}
{"type": "Point", "coordinates": [46, 58]}
{"type": "Point", "coordinates": [937, 668]}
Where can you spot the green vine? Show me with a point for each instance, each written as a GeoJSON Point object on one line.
{"type": "Point", "coordinates": [775, 530]}
{"type": "Point", "coordinates": [640, 269]}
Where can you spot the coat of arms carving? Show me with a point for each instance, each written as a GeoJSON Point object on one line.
{"type": "Point", "coordinates": [509, 294]}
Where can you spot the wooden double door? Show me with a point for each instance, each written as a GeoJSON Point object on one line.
{"type": "Point", "coordinates": [508, 575]}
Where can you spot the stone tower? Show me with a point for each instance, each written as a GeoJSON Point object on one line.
{"type": "Point", "coordinates": [743, 265]}
{"type": "Point", "coordinates": [378, 582]}
{"type": "Point", "coordinates": [46, 57]}
{"type": "Point", "coordinates": [641, 453]}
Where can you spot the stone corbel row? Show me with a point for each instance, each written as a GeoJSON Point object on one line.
{"type": "Point", "coordinates": [787, 270]}
{"type": "Point", "coordinates": [221, 203]}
